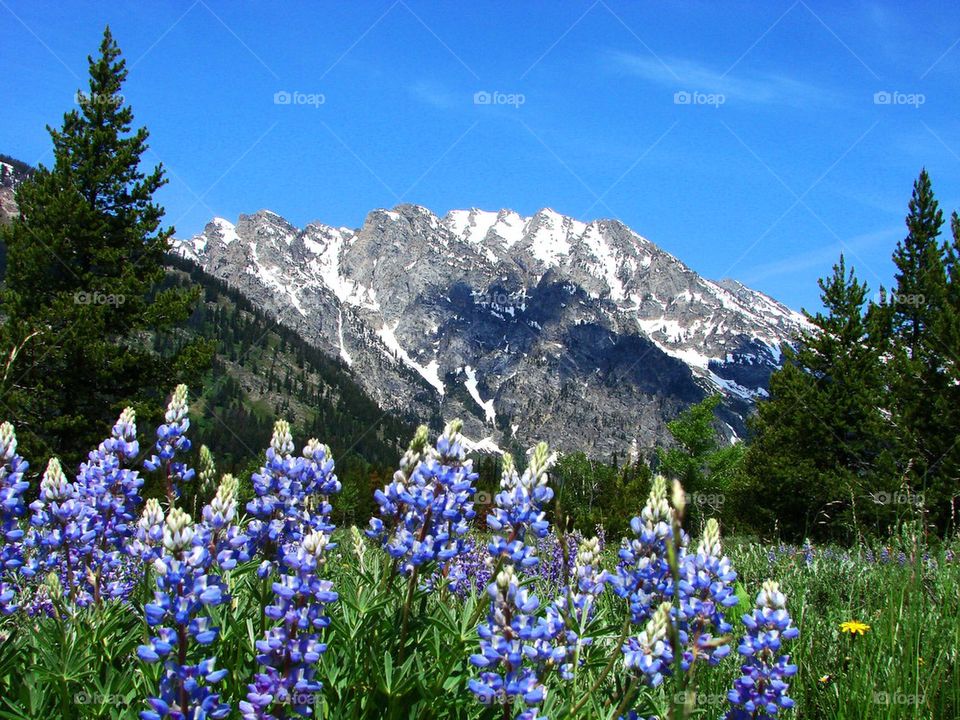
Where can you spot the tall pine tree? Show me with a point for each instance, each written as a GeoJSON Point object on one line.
{"type": "Point", "coordinates": [821, 444]}
{"type": "Point", "coordinates": [918, 321]}
{"type": "Point", "coordinates": [83, 291]}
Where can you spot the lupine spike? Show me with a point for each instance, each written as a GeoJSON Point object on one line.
{"type": "Point", "coordinates": [761, 691]}
{"type": "Point", "coordinates": [12, 508]}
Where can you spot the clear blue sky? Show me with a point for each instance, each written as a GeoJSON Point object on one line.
{"type": "Point", "coordinates": [768, 186]}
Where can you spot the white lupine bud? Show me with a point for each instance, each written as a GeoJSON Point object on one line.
{"type": "Point", "coordinates": [208, 469]}
{"type": "Point", "coordinates": [178, 408]}
{"type": "Point", "coordinates": [315, 543]}
{"type": "Point", "coordinates": [315, 448]}
{"type": "Point", "coordinates": [282, 441]}
{"type": "Point", "coordinates": [770, 596]}
{"type": "Point", "coordinates": [679, 497]}
{"type": "Point", "coordinates": [54, 485]}
{"type": "Point", "coordinates": [656, 628]}
{"type": "Point", "coordinates": [126, 425]}
{"type": "Point", "coordinates": [8, 441]}
{"type": "Point", "coordinates": [588, 553]}
{"type": "Point", "coordinates": [224, 502]}
{"type": "Point", "coordinates": [506, 578]}
{"type": "Point", "coordinates": [657, 508]}
{"type": "Point", "coordinates": [178, 531]}
{"type": "Point", "coordinates": [152, 515]}
{"type": "Point", "coordinates": [540, 463]}
{"type": "Point", "coordinates": [359, 545]}
{"type": "Point", "coordinates": [710, 541]}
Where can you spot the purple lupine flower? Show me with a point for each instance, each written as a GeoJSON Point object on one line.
{"type": "Point", "coordinates": [291, 649]}
{"type": "Point", "coordinates": [568, 617]}
{"type": "Point", "coordinates": [760, 692]}
{"type": "Point", "coordinates": [650, 652]}
{"type": "Point", "coordinates": [178, 615]}
{"type": "Point", "coordinates": [643, 574]}
{"type": "Point", "coordinates": [60, 537]}
{"type": "Point", "coordinates": [508, 637]}
{"type": "Point", "coordinates": [519, 515]}
{"type": "Point", "coordinates": [291, 495]}
{"type": "Point", "coordinates": [218, 531]}
{"type": "Point", "coordinates": [514, 641]}
{"type": "Point", "coordinates": [147, 540]}
{"type": "Point", "coordinates": [426, 509]}
{"type": "Point", "coordinates": [12, 508]}
{"type": "Point", "coordinates": [471, 571]}
{"type": "Point", "coordinates": [171, 441]}
{"type": "Point", "coordinates": [112, 492]}
{"type": "Point", "coordinates": [706, 588]}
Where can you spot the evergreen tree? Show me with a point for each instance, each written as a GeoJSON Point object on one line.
{"type": "Point", "coordinates": [821, 450]}
{"type": "Point", "coordinates": [83, 295]}
{"type": "Point", "coordinates": [706, 469]}
{"type": "Point", "coordinates": [919, 320]}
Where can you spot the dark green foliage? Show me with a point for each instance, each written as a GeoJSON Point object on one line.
{"type": "Point", "coordinates": [84, 260]}
{"type": "Point", "coordinates": [708, 471]}
{"type": "Point", "coordinates": [919, 324]}
{"type": "Point", "coordinates": [589, 493]}
{"type": "Point", "coordinates": [822, 446]}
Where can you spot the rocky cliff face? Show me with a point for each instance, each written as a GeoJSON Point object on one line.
{"type": "Point", "coordinates": [541, 327]}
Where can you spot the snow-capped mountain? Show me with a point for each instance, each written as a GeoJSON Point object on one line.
{"type": "Point", "coordinates": [540, 327]}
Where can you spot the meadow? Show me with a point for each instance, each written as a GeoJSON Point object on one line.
{"type": "Point", "coordinates": [442, 607]}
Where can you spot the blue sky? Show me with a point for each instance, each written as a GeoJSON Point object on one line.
{"type": "Point", "coordinates": [748, 139]}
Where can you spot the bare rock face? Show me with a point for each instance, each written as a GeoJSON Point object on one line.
{"type": "Point", "coordinates": [543, 327]}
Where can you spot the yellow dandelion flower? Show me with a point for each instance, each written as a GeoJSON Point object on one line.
{"type": "Point", "coordinates": [854, 627]}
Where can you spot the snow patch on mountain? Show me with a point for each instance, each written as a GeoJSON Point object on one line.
{"type": "Point", "coordinates": [485, 405]}
{"type": "Point", "coordinates": [429, 372]}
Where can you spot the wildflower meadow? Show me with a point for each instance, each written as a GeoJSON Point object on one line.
{"type": "Point", "coordinates": [239, 598]}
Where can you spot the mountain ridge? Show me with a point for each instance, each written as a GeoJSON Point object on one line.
{"type": "Point", "coordinates": [497, 315]}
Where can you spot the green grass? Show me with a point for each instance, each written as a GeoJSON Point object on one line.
{"type": "Point", "coordinates": [904, 667]}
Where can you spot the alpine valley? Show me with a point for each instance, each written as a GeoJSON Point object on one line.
{"type": "Point", "coordinates": [529, 328]}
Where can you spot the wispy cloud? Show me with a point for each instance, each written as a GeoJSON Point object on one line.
{"type": "Point", "coordinates": [826, 256]}
{"type": "Point", "coordinates": [435, 95]}
{"type": "Point", "coordinates": [679, 74]}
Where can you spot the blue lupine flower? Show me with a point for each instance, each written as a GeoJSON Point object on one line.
{"type": "Point", "coordinates": [425, 510]}
{"type": "Point", "coordinates": [112, 492]}
{"type": "Point", "coordinates": [147, 540]}
{"type": "Point", "coordinates": [171, 441]}
{"type": "Point", "coordinates": [291, 495]}
{"type": "Point", "coordinates": [706, 587]}
{"type": "Point", "coordinates": [290, 650]}
{"type": "Point", "coordinates": [60, 537]}
{"type": "Point", "coordinates": [568, 617]}
{"type": "Point", "coordinates": [650, 652]}
{"type": "Point", "coordinates": [185, 588]}
{"type": "Point", "coordinates": [514, 641]}
{"type": "Point", "coordinates": [509, 636]}
{"type": "Point", "coordinates": [760, 693]}
{"type": "Point", "coordinates": [218, 532]}
{"type": "Point", "coordinates": [12, 508]}
{"type": "Point", "coordinates": [520, 509]}
{"type": "Point", "coordinates": [643, 575]}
